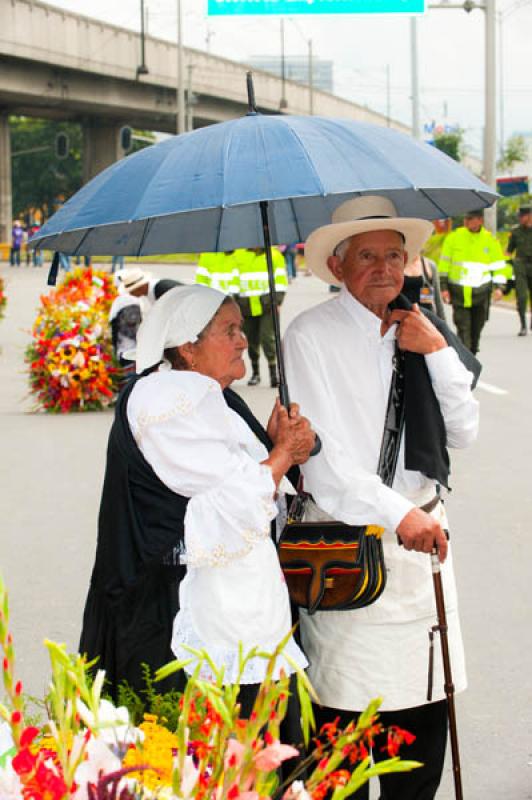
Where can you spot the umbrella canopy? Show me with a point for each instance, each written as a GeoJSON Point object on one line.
{"type": "Point", "coordinates": [201, 191]}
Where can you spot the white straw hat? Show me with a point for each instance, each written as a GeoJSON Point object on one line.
{"type": "Point", "coordinates": [131, 278]}
{"type": "Point", "coordinates": [177, 317]}
{"type": "Point", "coordinates": [360, 215]}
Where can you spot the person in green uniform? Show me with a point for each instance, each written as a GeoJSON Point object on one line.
{"type": "Point", "coordinates": [255, 305]}
{"type": "Point", "coordinates": [471, 265]}
{"type": "Point", "coordinates": [520, 247]}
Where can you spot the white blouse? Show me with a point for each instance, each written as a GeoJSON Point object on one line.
{"type": "Point", "coordinates": [234, 591]}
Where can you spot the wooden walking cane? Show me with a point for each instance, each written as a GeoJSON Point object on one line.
{"type": "Point", "coordinates": [441, 627]}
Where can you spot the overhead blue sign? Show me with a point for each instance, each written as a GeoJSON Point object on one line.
{"type": "Point", "coordinates": [229, 7]}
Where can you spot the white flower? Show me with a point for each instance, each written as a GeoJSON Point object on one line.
{"type": "Point", "coordinates": [296, 791]}
{"type": "Point", "coordinates": [189, 777]}
{"type": "Point", "coordinates": [112, 725]}
{"type": "Point", "coordinates": [10, 786]}
{"type": "Point", "coordinates": [99, 760]}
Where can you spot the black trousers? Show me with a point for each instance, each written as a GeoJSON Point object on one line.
{"type": "Point", "coordinates": [523, 287]}
{"type": "Point", "coordinates": [429, 725]}
{"type": "Point", "coordinates": [470, 322]}
{"type": "Point", "coordinates": [291, 731]}
{"type": "Point", "coordinates": [259, 333]}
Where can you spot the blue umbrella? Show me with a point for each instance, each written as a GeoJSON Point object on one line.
{"type": "Point", "coordinates": [252, 182]}
{"type": "Point", "coordinates": [201, 191]}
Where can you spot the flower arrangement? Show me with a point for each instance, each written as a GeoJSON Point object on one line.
{"type": "Point", "coordinates": [3, 298]}
{"type": "Point", "coordinates": [70, 359]}
{"type": "Point", "coordinates": [88, 750]}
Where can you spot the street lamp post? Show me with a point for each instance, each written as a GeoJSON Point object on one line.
{"type": "Point", "coordinates": [310, 79]}
{"type": "Point", "coordinates": [490, 94]}
{"type": "Point", "coordinates": [142, 69]}
{"type": "Point", "coordinates": [180, 126]}
{"type": "Point", "coordinates": [283, 103]}
{"type": "Point", "coordinates": [416, 131]}
{"type": "Point", "coordinates": [490, 123]}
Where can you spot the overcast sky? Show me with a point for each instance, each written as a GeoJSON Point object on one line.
{"type": "Point", "coordinates": [451, 53]}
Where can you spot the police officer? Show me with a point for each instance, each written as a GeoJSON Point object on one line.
{"type": "Point", "coordinates": [520, 247]}
{"type": "Point", "coordinates": [471, 264]}
{"type": "Point", "coordinates": [218, 270]}
{"type": "Point", "coordinates": [255, 305]}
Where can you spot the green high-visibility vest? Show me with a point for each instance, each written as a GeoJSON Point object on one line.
{"type": "Point", "coordinates": [218, 271]}
{"type": "Point", "coordinates": [469, 261]}
{"type": "Point", "coordinates": [253, 276]}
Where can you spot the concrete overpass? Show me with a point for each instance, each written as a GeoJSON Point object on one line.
{"type": "Point", "coordinates": [64, 66]}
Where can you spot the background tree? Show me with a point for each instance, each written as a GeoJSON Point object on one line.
{"type": "Point", "coordinates": [40, 179]}
{"type": "Point", "coordinates": [515, 151]}
{"type": "Point", "coordinates": [450, 143]}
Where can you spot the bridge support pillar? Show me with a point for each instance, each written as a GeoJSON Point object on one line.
{"type": "Point", "coordinates": [101, 147]}
{"type": "Point", "coordinates": [6, 201]}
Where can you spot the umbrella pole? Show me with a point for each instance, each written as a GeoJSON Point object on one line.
{"type": "Point", "coordinates": [283, 388]}
{"type": "Point", "coordinates": [448, 678]}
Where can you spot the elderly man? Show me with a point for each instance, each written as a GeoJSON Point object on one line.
{"type": "Point", "coordinates": [339, 358]}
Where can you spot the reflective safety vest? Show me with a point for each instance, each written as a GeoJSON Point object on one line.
{"type": "Point", "coordinates": [470, 261]}
{"type": "Point", "coordinates": [219, 271]}
{"type": "Point", "coordinates": [253, 276]}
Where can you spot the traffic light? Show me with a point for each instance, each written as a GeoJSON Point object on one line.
{"type": "Point", "coordinates": [126, 138]}
{"type": "Point", "coordinates": [62, 145]}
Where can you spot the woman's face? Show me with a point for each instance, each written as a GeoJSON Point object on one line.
{"type": "Point", "coordinates": [219, 352]}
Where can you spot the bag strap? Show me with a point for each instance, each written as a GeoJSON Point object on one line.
{"type": "Point", "coordinates": [394, 420]}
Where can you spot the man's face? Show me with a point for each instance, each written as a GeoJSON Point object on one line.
{"type": "Point", "coordinates": [140, 291]}
{"type": "Point", "coordinates": [525, 220]}
{"type": "Point", "coordinates": [473, 224]}
{"type": "Point", "coordinates": [372, 269]}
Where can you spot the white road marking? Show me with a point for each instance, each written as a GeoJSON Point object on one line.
{"type": "Point", "coordinates": [489, 387]}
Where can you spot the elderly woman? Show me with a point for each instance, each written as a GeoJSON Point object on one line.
{"type": "Point", "coordinates": [188, 474]}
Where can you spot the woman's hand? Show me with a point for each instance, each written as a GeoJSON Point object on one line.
{"type": "Point", "coordinates": [293, 439]}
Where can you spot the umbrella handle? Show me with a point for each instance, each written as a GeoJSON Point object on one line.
{"type": "Point", "coordinates": [285, 401]}
{"type": "Point", "coordinates": [283, 388]}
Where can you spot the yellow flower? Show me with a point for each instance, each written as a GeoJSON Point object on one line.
{"type": "Point", "coordinates": [157, 751]}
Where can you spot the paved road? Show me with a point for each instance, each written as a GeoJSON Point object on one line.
{"type": "Point", "coordinates": [52, 469]}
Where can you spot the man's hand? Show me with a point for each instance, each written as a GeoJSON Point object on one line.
{"type": "Point", "coordinates": [498, 294]}
{"type": "Point", "coordinates": [419, 531]}
{"type": "Point", "coordinates": [415, 331]}
{"type": "Point", "coordinates": [446, 296]}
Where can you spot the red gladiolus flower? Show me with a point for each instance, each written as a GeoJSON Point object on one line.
{"type": "Point", "coordinates": [28, 735]}
{"type": "Point", "coordinates": [24, 762]}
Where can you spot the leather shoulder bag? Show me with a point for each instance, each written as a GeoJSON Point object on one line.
{"type": "Point", "coordinates": [331, 566]}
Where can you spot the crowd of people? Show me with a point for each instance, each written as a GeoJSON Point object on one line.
{"type": "Point", "coordinates": [196, 490]}
{"type": "Point", "coordinates": [20, 235]}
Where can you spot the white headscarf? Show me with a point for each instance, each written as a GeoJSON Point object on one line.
{"type": "Point", "coordinates": [177, 317]}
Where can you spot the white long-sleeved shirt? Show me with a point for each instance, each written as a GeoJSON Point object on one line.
{"type": "Point", "coordinates": [234, 590]}
{"type": "Point", "coordinates": [339, 370]}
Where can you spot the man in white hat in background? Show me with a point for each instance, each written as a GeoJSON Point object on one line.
{"type": "Point", "coordinates": [137, 292]}
{"type": "Point", "coordinates": [339, 362]}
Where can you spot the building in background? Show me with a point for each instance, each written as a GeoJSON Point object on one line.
{"type": "Point", "coordinates": [296, 68]}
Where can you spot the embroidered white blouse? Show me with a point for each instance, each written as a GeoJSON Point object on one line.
{"type": "Point", "coordinates": [339, 370]}
{"type": "Point", "coordinates": [234, 590]}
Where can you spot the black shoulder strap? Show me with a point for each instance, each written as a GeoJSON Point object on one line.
{"type": "Point", "coordinates": [394, 420]}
